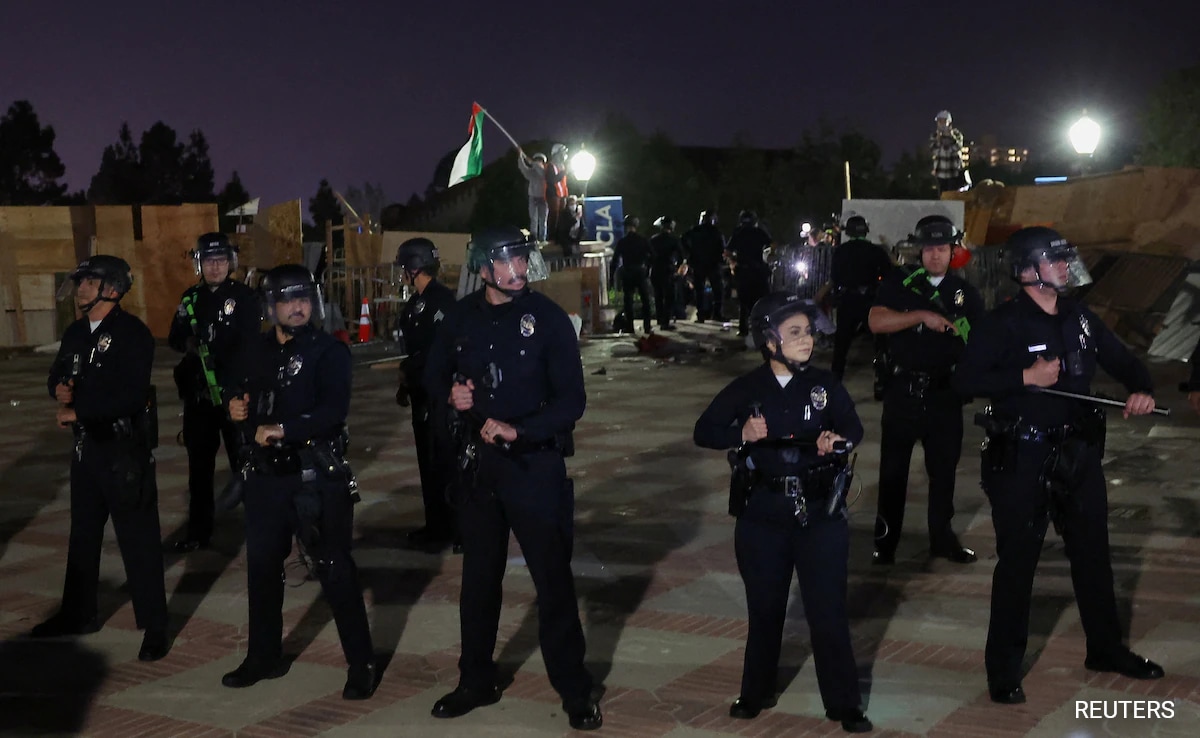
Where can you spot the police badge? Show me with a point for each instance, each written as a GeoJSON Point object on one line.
{"type": "Point", "coordinates": [103, 342]}
{"type": "Point", "coordinates": [527, 325]}
{"type": "Point", "coordinates": [230, 304]}
{"type": "Point", "coordinates": [959, 298]}
{"type": "Point", "coordinates": [295, 364]}
{"type": "Point", "coordinates": [819, 397]}
{"type": "Point", "coordinates": [419, 307]}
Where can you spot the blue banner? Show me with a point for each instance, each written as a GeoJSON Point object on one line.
{"type": "Point", "coordinates": [604, 219]}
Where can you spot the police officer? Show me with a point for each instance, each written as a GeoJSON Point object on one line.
{"type": "Point", "coordinates": [792, 520]}
{"type": "Point", "coordinates": [927, 314]}
{"type": "Point", "coordinates": [858, 268]}
{"type": "Point", "coordinates": [508, 362]}
{"type": "Point", "coordinates": [632, 256]}
{"type": "Point", "coordinates": [703, 246]}
{"type": "Point", "coordinates": [750, 271]}
{"type": "Point", "coordinates": [666, 254]}
{"type": "Point", "coordinates": [422, 317]}
{"type": "Point", "coordinates": [215, 318]}
{"type": "Point", "coordinates": [1043, 452]}
{"type": "Point", "coordinates": [295, 391]}
{"type": "Point", "coordinates": [101, 379]}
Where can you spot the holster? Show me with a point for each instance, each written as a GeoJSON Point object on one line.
{"type": "Point", "coordinates": [998, 451]}
{"type": "Point", "coordinates": [741, 482]}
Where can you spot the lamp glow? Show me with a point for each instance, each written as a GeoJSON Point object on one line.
{"type": "Point", "coordinates": [583, 165]}
{"type": "Point", "coordinates": [1085, 135]}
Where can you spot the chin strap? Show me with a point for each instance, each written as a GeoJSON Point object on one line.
{"type": "Point", "coordinates": [1039, 282]}
{"type": "Point", "coordinates": [511, 293]}
{"type": "Point", "coordinates": [794, 367]}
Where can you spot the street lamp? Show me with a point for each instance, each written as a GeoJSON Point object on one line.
{"type": "Point", "coordinates": [583, 166]}
{"type": "Point", "coordinates": [1085, 135]}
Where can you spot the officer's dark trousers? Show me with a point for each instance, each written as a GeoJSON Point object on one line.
{"type": "Point", "coordinates": [664, 297]}
{"type": "Point", "coordinates": [851, 318]}
{"type": "Point", "coordinates": [936, 421]}
{"type": "Point", "coordinates": [95, 495]}
{"type": "Point", "coordinates": [636, 281]}
{"type": "Point", "coordinates": [770, 545]}
{"type": "Point", "coordinates": [1019, 515]}
{"type": "Point", "coordinates": [751, 287]}
{"type": "Point", "coordinates": [270, 524]}
{"type": "Point", "coordinates": [537, 504]}
{"type": "Point", "coordinates": [432, 465]}
{"type": "Point", "coordinates": [709, 307]}
{"type": "Point", "coordinates": [205, 428]}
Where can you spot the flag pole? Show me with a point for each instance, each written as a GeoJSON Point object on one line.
{"type": "Point", "coordinates": [506, 134]}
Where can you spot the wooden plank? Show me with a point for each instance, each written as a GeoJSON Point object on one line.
{"type": "Point", "coordinates": [8, 272]}
{"type": "Point", "coordinates": [37, 291]}
{"type": "Point", "coordinates": [45, 255]}
{"type": "Point", "coordinates": [285, 223]}
{"type": "Point", "coordinates": [163, 259]}
{"type": "Point", "coordinates": [32, 222]}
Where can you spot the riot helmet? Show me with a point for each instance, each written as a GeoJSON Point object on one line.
{"type": "Point", "coordinates": [747, 218]}
{"type": "Point", "coordinates": [214, 246]}
{"type": "Point", "coordinates": [418, 255]}
{"type": "Point", "coordinates": [856, 227]}
{"type": "Point", "coordinates": [1054, 261]}
{"type": "Point", "coordinates": [665, 223]}
{"type": "Point", "coordinates": [769, 313]}
{"type": "Point", "coordinates": [708, 217]}
{"type": "Point", "coordinates": [112, 271]}
{"type": "Point", "coordinates": [943, 118]}
{"type": "Point", "coordinates": [504, 251]}
{"type": "Point", "coordinates": [938, 230]}
{"type": "Point", "coordinates": [539, 157]}
{"type": "Point", "coordinates": [632, 222]}
{"type": "Point", "coordinates": [286, 284]}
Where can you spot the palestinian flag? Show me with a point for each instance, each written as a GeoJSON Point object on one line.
{"type": "Point", "coordinates": [469, 161]}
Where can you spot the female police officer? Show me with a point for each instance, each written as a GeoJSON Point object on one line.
{"type": "Point", "coordinates": [787, 521]}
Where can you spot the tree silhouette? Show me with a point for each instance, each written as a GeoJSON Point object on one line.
{"type": "Point", "coordinates": [159, 170]}
{"type": "Point", "coordinates": [1171, 119]}
{"type": "Point", "coordinates": [29, 167]}
{"type": "Point", "coordinates": [234, 194]}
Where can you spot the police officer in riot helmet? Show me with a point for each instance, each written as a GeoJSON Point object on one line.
{"type": "Point", "coordinates": [703, 249]}
{"type": "Point", "coordinates": [791, 423]}
{"type": "Point", "coordinates": [857, 268]}
{"type": "Point", "coordinates": [293, 387]}
{"type": "Point", "coordinates": [666, 256]}
{"type": "Point", "coordinates": [1042, 459]}
{"type": "Point", "coordinates": [215, 318]}
{"type": "Point", "coordinates": [422, 317]}
{"type": "Point", "coordinates": [101, 380]}
{"type": "Point", "coordinates": [507, 363]}
{"type": "Point", "coordinates": [927, 314]}
{"type": "Point", "coordinates": [631, 259]}
{"type": "Point", "coordinates": [750, 271]}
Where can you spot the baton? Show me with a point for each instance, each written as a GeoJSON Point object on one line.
{"type": "Point", "coordinates": [1092, 398]}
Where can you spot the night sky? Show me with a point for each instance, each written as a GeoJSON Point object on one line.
{"type": "Point", "coordinates": [379, 90]}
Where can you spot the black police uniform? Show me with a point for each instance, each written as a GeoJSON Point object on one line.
{"type": "Point", "coordinates": [112, 465]}
{"type": "Point", "coordinates": [632, 256]}
{"type": "Point", "coordinates": [751, 274]}
{"type": "Point", "coordinates": [919, 404]}
{"type": "Point", "coordinates": [227, 318]}
{"type": "Point", "coordinates": [769, 539]}
{"type": "Point", "coordinates": [666, 254]}
{"type": "Point", "coordinates": [703, 246]}
{"type": "Point", "coordinates": [419, 322]}
{"type": "Point", "coordinates": [857, 269]}
{"type": "Point", "coordinates": [300, 487]}
{"type": "Point", "coordinates": [523, 359]}
{"type": "Point", "coordinates": [1005, 343]}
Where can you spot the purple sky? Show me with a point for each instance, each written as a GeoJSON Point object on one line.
{"type": "Point", "coordinates": [375, 90]}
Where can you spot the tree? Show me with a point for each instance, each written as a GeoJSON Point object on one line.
{"type": "Point", "coordinates": [325, 208]}
{"type": "Point", "coordinates": [911, 177]}
{"type": "Point", "coordinates": [29, 166]}
{"type": "Point", "coordinates": [160, 170]}
{"type": "Point", "coordinates": [368, 201]}
{"type": "Point", "coordinates": [1171, 119]}
{"type": "Point", "coordinates": [232, 195]}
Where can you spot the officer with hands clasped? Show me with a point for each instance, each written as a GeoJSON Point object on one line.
{"type": "Point", "coordinates": [1042, 456]}
{"type": "Point", "coordinates": [101, 380]}
{"type": "Point", "coordinates": [508, 363]}
{"type": "Point", "coordinates": [215, 318]}
{"type": "Point", "coordinates": [295, 391]}
{"type": "Point", "coordinates": [423, 315]}
{"type": "Point", "coordinates": [927, 315]}
{"type": "Point", "coordinates": [790, 422]}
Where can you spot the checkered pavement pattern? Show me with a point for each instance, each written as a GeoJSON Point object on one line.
{"type": "Point", "coordinates": [661, 601]}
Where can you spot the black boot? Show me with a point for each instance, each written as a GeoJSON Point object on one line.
{"type": "Point", "coordinates": [464, 699]}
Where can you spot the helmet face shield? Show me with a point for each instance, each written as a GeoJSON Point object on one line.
{"type": "Point", "coordinates": [211, 259]}
{"type": "Point", "coordinates": [1060, 267]}
{"type": "Point", "coordinates": [293, 305]}
{"type": "Point", "coordinates": [513, 267]}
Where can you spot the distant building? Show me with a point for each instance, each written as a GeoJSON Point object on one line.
{"type": "Point", "coordinates": [987, 151]}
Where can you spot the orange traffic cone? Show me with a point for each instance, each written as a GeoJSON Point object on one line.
{"type": "Point", "coordinates": [364, 323]}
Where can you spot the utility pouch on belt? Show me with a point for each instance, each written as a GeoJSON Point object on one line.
{"type": "Point", "coordinates": [741, 480]}
{"type": "Point", "coordinates": [999, 448]}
